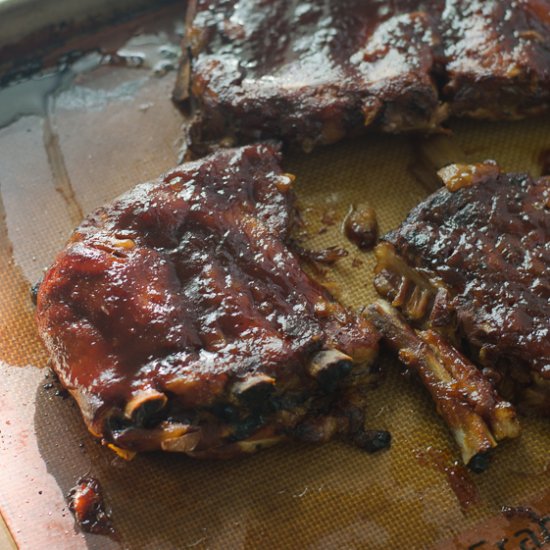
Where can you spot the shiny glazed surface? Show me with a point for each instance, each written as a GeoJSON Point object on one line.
{"type": "Point", "coordinates": [314, 72]}
{"type": "Point", "coordinates": [487, 243]}
{"type": "Point", "coordinates": [171, 298]}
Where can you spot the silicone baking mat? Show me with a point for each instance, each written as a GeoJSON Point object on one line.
{"type": "Point", "coordinates": [115, 126]}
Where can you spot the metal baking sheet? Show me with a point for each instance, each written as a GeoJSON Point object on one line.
{"type": "Point", "coordinates": [98, 129]}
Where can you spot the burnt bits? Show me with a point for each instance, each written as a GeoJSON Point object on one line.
{"type": "Point", "coordinates": [179, 319]}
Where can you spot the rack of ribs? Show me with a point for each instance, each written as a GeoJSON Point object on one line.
{"type": "Point", "coordinates": [314, 72]}
{"type": "Point", "coordinates": [180, 320]}
{"type": "Point", "coordinates": [470, 269]}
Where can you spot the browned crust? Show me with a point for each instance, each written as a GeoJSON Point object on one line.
{"type": "Point", "coordinates": [180, 320]}
{"type": "Point", "coordinates": [473, 264]}
{"type": "Point", "coordinates": [313, 74]}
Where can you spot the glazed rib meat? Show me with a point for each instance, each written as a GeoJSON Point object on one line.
{"type": "Point", "coordinates": [497, 57]}
{"type": "Point", "coordinates": [314, 72]}
{"type": "Point", "coordinates": [310, 72]}
{"type": "Point", "coordinates": [472, 264]}
{"type": "Point", "coordinates": [180, 320]}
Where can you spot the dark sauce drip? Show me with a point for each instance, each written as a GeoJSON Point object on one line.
{"type": "Point", "coordinates": [361, 227]}
{"type": "Point", "coordinates": [61, 392]}
{"type": "Point", "coordinates": [328, 219]}
{"type": "Point", "coordinates": [85, 501]}
{"type": "Point", "coordinates": [457, 475]}
{"type": "Point", "coordinates": [55, 384]}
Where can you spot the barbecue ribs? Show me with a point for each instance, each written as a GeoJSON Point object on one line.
{"type": "Point", "coordinates": [179, 319]}
{"type": "Point", "coordinates": [471, 265]}
{"type": "Point", "coordinates": [315, 72]}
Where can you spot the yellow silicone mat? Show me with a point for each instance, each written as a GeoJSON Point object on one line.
{"type": "Point", "coordinates": [116, 127]}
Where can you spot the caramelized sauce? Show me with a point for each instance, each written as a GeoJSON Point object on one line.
{"type": "Point", "coordinates": [85, 501]}
{"type": "Point", "coordinates": [314, 73]}
{"type": "Point", "coordinates": [328, 256]}
{"type": "Point", "coordinates": [361, 226]}
{"type": "Point", "coordinates": [487, 243]}
{"type": "Point", "coordinates": [458, 477]}
{"type": "Point", "coordinates": [309, 72]}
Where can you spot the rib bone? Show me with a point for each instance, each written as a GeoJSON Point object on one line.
{"type": "Point", "coordinates": [144, 404]}
{"type": "Point", "coordinates": [465, 399]}
{"type": "Point", "coordinates": [328, 367]}
{"type": "Point", "coordinates": [255, 389]}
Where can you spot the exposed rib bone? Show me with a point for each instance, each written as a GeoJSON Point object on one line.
{"type": "Point", "coordinates": [144, 404]}
{"type": "Point", "coordinates": [468, 403]}
{"type": "Point", "coordinates": [413, 294]}
{"type": "Point", "coordinates": [328, 367]}
{"type": "Point", "coordinates": [254, 389]}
